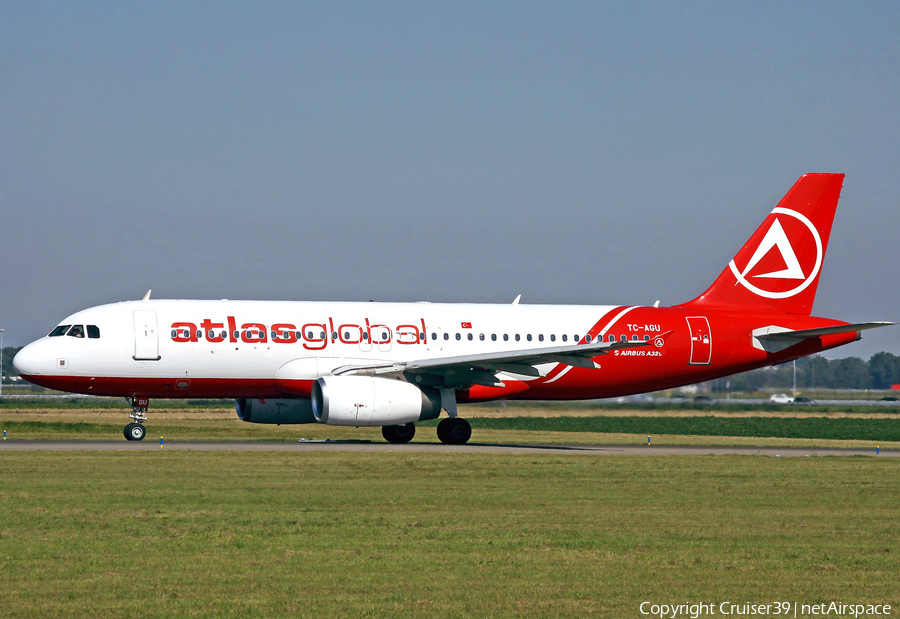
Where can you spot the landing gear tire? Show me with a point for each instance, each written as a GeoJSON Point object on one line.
{"type": "Point", "coordinates": [135, 432]}
{"type": "Point", "coordinates": [399, 434]}
{"type": "Point", "coordinates": [455, 431]}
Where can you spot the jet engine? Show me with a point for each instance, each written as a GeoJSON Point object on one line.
{"type": "Point", "coordinates": [370, 401]}
{"type": "Point", "coordinates": [275, 411]}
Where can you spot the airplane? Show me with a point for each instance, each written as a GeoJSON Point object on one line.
{"type": "Point", "coordinates": [395, 364]}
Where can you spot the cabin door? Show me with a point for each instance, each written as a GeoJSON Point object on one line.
{"type": "Point", "coordinates": [701, 340]}
{"type": "Point", "coordinates": [146, 336]}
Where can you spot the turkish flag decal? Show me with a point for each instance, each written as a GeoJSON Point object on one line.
{"type": "Point", "coordinates": [466, 325]}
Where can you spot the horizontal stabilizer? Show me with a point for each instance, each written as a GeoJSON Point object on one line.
{"type": "Point", "coordinates": [774, 339]}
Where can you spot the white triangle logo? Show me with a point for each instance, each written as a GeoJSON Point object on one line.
{"type": "Point", "coordinates": [776, 237]}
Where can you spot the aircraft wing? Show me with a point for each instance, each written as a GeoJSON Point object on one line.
{"type": "Point", "coordinates": [773, 339]}
{"type": "Point", "coordinates": [481, 368]}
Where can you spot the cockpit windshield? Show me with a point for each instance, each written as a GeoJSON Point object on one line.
{"type": "Point", "coordinates": [93, 332]}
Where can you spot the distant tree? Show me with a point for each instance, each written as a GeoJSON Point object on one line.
{"type": "Point", "coordinates": [884, 370]}
{"type": "Point", "coordinates": [816, 372]}
{"type": "Point", "coordinates": [8, 370]}
{"type": "Point", "coordinates": [850, 373]}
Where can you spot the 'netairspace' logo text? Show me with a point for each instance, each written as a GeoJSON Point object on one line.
{"type": "Point", "coordinates": [790, 609]}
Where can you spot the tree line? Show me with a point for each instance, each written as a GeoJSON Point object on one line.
{"type": "Point", "coordinates": [881, 371]}
{"type": "Point", "coordinates": [7, 370]}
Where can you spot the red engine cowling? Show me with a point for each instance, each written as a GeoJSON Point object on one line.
{"type": "Point", "coordinates": [370, 401]}
{"type": "Point", "coordinates": [275, 411]}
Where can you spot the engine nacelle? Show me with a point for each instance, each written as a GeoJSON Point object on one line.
{"type": "Point", "coordinates": [275, 411]}
{"type": "Point", "coordinates": [370, 401]}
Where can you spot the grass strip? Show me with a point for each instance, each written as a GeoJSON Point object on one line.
{"type": "Point", "coordinates": [272, 534]}
{"type": "Point", "coordinates": [815, 428]}
{"type": "Point", "coordinates": [844, 428]}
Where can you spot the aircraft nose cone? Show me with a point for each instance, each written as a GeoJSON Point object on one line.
{"type": "Point", "coordinates": [27, 361]}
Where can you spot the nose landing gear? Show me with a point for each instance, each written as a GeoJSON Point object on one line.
{"type": "Point", "coordinates": [135, 431]}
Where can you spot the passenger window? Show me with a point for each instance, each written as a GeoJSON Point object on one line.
{"type": "Point", "coordinates": [646, 338]}
{"type": "Point", "coordinates": [60, 330]}
{"type": "Point", "coordinates": [612, 338]}
{"type": "Point", "coordinates": [481, 336]}
{"type": "Point", "coordinates": [540, 337]}
{"type": "Point", "coordinates": [493, 337]}
{"type": "Point", "coordinates": [624, 338]}
{"type": "Point", "coordinates": [76, 331]}
{"type": "Point", "coordinates": [458, 337]}
{"type": "Point", "coordinates": [528, 337]}
{"type": "Point", "coordinates": [565, 338]}
{"type": "Point", "coordinates": [505, 337]}
{"type": "Point", "coordinates": [446, 336]}
{"type": "Point", "coordinates": [552, 338]}
{"type": "Point", "coordinates": [587, 338]}
{"type": "Point", "coordinates": [470, 337]}
{"type": "Point", "coordinates": [517, 337]}
{"type": "Point", "coordinates": [199, 333]}
{"type": "Point", "coordinates": [93, 332]}
{"type": "Point", "coordinates": [634, 338]}
{"type": "Point", "coordinates": [434, 336]}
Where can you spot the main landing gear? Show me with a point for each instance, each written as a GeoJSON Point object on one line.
{"type": "Point", "coordinates": [450, 431]}
{"type": "Point", "coordinates": [454, 431]}
{"type": "Point", "coordinates": [135, 431]}
{"type": "Point", "coordinates": [399, 434]}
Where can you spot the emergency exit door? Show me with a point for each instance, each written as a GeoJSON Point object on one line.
{"type": "Point", "coordinates": [146, 336]}
{"type": "Point", "coordinates": [701, 340]}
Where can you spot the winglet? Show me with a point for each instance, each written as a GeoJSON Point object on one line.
{"type": "Point", "coordinates": [147, 296]}
{"type": "Point", "coordinates": [516, 300]}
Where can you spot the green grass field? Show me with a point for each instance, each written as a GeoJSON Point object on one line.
{"type": "Point", "coordinates": [844, 428]}
{"type": "Point", "coordinates": [326, 534]}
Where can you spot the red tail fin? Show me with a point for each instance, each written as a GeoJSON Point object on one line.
{"type": "Point", "coordinates": [779, 267]}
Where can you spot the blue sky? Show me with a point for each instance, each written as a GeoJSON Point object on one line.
{"type": "Point", "coordinates": [570, 152]}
